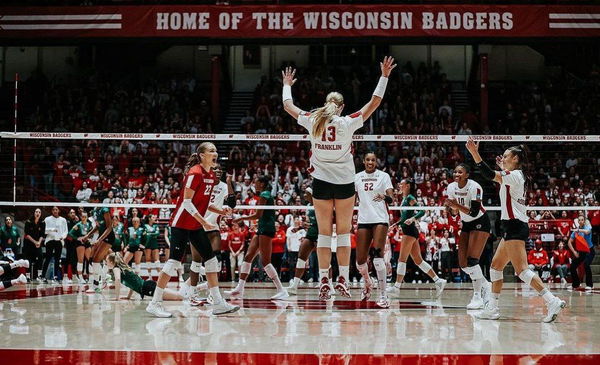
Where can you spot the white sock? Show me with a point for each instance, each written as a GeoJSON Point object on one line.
{"type": "Point", "coordinates": [241, 285]}
{"type": "Point", "coordinates": [296, 282]}
{"type": "Point", "coordinates": [494, 300]}
{"type": "Point", "coordinates": [216, 295]}
{"type": "Point", "coordinates": [345, 272]}
{"type": "Point", "coordinates": [79, 269]}
{"type": "Point", "coordinates": [158, 295]}
{"type": "Point", "coordinates": [364, 272]}
{"type": "Point", "coordinates": [272, 273]}
{"type": "Point", "coordinates": [379, 264]}
{"type": "Point", "coordinates": [96, 269]}
{"type": "Point", "coordinates": [323, 273]}
{"type": "Point", "coordinates": [547, 295]}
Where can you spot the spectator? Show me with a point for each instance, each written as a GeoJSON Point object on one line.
{"type": "Point", "coordinates": [278, 246]}
{"type": "Point", "coordinates": [83, 194]}
{"type": "Point", "coordinates": [294, 236]}
{"type": "Point", "coordinates": [582, 248]}
{"type": "Point", "coordinates": [561, 260]}
{"type": "Point", "coordinates": [56, 232]}
{"type": "Point", "coordinates": [538, 260]}
{"type": "Point", "coordinates": [32, 244]}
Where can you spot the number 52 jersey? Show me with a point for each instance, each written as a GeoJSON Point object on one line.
{"type": "Point", "coordinates": [368, 186]}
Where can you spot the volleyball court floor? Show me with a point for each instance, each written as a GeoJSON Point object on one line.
{"type": "Point", "coordinates": [61, 324]}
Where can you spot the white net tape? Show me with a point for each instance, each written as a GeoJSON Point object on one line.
{"type": "Point", "coordinates": [265, 207]}
{"type": "Point", "coordinates": [295, 137]}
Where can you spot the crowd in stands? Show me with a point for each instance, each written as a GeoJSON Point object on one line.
{"type": "Point", "coordinates": [418, 102]}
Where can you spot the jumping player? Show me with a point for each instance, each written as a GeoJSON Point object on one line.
{"type": "Point", "coordinates": [375, 191]}
{"type": "Point", "coordinates": [308, 245]}
{"type": "Point", "coordinates": [261, 242]}
{"type": "Point", "coordinates": [410, 244]}
{"type": "Point", "coordinates": [332, 169]}
{"type": "Point", "coordinates": [188, 226]}
{"type": "Point", "coordinates": [464, 195]}
{"type": "Point", "coordinates": [515, 229]}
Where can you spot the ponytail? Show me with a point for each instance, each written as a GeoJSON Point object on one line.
{"type": "Point", "coordinates": [324, 114]}
{"type": "Point", "coordinates": [195, 159]}
{"type": "Point", "coordinates": [117, 260]}
{"type": "Point", "coordinates": [522, 153]}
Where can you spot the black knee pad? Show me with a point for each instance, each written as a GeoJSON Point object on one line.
{"type": "Point", "coordinates": [472, 262]}
{"type": "Point", "coordinates": [377, 252]}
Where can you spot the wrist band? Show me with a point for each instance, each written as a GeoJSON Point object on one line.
{"type": "Point", "coordinates": [381, 85]}
{"type": "Point", "coordinates": [287, 93]}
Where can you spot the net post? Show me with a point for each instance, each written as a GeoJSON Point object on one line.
{"type": "Point", "coordinates": [16, 109]}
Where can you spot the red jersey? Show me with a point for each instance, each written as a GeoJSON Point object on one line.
{"type": "Point", "coordinates": [279, 242]}
{"type": "Point", "coordinates": [224, 240]}
{"type": "Point", "coordinates": [536, 257]}
{"type": "Point", "coordinates": [564, 227]}
{"type": "Point", "coordinates": [595, 218]}
{"type": "Point", "coordinates": [561, 257]}
{"type": "Point", "coordinates": [236, 240]}
{"type": "Point", "coordinates": [202, 182]}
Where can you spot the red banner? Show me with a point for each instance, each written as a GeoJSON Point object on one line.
{"type": "Point", "coordinates": [307, 21]}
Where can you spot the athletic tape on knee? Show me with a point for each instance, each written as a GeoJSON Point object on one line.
{"type": "Point", "coordinates": [526, 275]}
{"type": "Point", "coordinates": [496, 275]}
{"type": "Point", "coordinates": [170, 267]}
{"type": "Point", "coordinates": [424, 266]}
{"type": "Point", "coordinates": [245, 268]}
{"type": "Point", "coordinates": [324, 241]}
{"type": "Point", "coordinates": [343, 240]}
{"type": "Point", "coordinates": [475, 272]}
{"type": "Point", "coordinates": [401, 269]}
{"type": "Point", "coordinates": [300, 264]}
{"type": "Point", "coordinates": [212, 265]}
{"type": "Point", "coordinates": [195, 267]}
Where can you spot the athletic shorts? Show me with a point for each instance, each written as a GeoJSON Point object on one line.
{"type": "Point", "coordinates": [265, 233]}
{"type": "Point", "coordinates": [148, 288]}
{"type": "Point", "coordinates": [152, 246]}
{"type": "Point", "coordinates": [514, 229]}
{"type": "Point", "coordinates": [78, 243]}
{"type": "Point", "coordinates": [410, 231]}
{"type": "Point", "coordinates": [134, 249]}
{"type": "Point", "coordinates": [181, 238]}
{"type": "Point", "coordinates": [116, 247]}
{"type": "Point", "coordinates": [371, 225]}
{"type": "Point", "coordinates": [327, 191]}
{"type": "Point", "coordinates": [481, 224]}
{"type": "Point", "coordinates": [110, 239]}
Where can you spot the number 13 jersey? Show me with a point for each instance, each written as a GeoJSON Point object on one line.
{"type": "Point", "coordinates": [331, 158]}
{"type": "Point", "coordinates": [368, 186]}
{"type": "Point", "coordinates": [471, 191]}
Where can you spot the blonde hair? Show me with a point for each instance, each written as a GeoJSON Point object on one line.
{"type": "Point", "coordinates": [117, 261]}
{"type": "Point", "coordinates": [195, 159]}
{"type": "Point", "coordinates": [324, 114]}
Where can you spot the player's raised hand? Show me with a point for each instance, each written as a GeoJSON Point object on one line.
{"type": "Point", "coordinates": [288, 76]}
{"type": "Point", "coordinates": [387, 66]}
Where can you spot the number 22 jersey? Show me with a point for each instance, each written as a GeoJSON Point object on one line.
{"type": "Point", "coordinates": [202, 182]}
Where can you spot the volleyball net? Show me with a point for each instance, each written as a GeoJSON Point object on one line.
{"type": "Point", "coordinates": [63, 168]}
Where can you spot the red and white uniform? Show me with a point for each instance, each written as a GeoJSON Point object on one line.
{"type": "Point", "coordinates": [236, 240]}
{"type": "Point", "coordinates": [512, 196]}
{"type": "Point", "coordinates": [538, 257]}
{"type": "Point", "coordinates": [202, 182]}
{"type": "Point", "coordinates": [217, 199]}
{"type": "Point", "coordinates": [471, 191]}
{"type": "Point", "coordinates": [331, 157]}
{"type": "Point", "coordinates": [368, 186]}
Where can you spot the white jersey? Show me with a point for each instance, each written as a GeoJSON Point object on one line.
{"type": "Point", "coordinates": [471, 191]}
{"type": "Point", "coordinates": [331, 158]}
{"type": "Point", "coordinates": [368, 186]}
{"type": "Point", "coordinates": [217, 199]}
{"type": "Point", "coordinates": [512, 196]}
